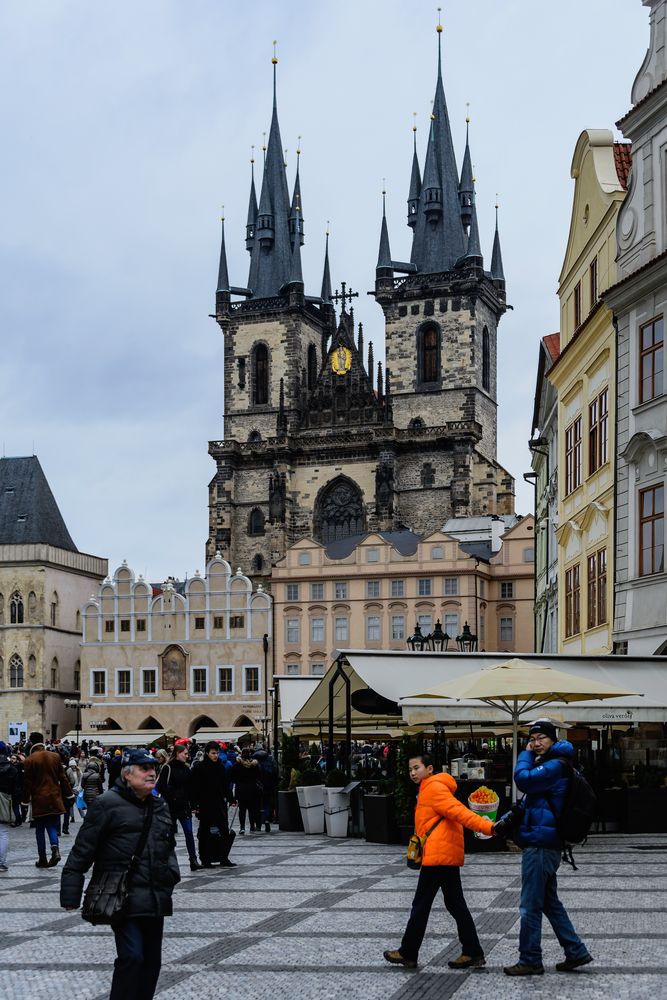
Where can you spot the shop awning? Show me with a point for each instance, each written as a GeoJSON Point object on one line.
{"type": "Point", "coordinates": [119, 737]}
{"type": "Point", "coordinates": [226, 735]}
{"type": "Point", "coordinates": [294, 692]}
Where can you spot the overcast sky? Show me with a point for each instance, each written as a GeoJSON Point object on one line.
{"type": "Point", "coordinates": [124, 128]}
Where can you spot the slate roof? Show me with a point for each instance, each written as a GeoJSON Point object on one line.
{"type": "Point", "coordinates": [623, 162]}
{"type": "Point", "coordinates": [404, 541]}
{"type": "Point", "coordinates": [29, 513]}
{"type": "Point", "coordinates": [480, 550]}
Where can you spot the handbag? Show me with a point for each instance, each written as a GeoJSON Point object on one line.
{"type": "Point", "coordinates": [6, 811]}
{"type": "Point", "coordinates": [415, 852]}
{"type": "Point", "coordinates": [107, 894]}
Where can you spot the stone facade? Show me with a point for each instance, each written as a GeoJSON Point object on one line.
{"type": "Point", "coordinates": [177, 657]}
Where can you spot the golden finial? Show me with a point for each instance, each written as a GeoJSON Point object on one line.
{"type": "Point", "coordinates": [328, 224]}
{"type": "Point", "coordinates": [275, 58]}
{"type": "Point", "coordinates": [222, 217]}
{"type": "Point", "coordinates": [298, 145]}
{"type": "Point", "coordinates": [497, 205]}
{"type": "Point", "coordinates": [263, 142]}
{"type": "Point", "coordinates": [467, 112]}
{"type": "Point", "coordinates": [252, 154]}
{"type": "Point", "coordinates": [414, 121]}
{"type": "Point", "coordinates": [439, 27]}
{"type": "Point", "coordinates": [384, 185]}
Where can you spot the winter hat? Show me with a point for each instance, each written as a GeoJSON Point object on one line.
{"type": "Point", "coordinates": [4, 749]}
{"type": "Point", "coordinates": [546, 727]}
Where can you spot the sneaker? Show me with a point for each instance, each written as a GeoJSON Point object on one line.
{"type": "Point", "coordinates": [570, 964]}
{"type": "Point", "coordinates": [242, 831]}
{"type": "Point", "coordinates": [467, 962]}
{"type": "Point", "coordinates": [395, 958]}
{"type": "Point", "coordinates": [523, 970]}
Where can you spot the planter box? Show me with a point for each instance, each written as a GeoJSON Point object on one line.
{"type": "Point", "coordinates": [311, 804]}
{"type": "Point", "coordinates": [336, 812]}
{"type": "Point", "coordinates": [289, 814]}
{"type": "Point", "coordinates": [380, 819]}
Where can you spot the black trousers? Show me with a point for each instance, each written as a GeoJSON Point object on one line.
{"type": "Point", "coordinates": [139, 950]}
{"type": "Point", "coordinates": [432, 878]}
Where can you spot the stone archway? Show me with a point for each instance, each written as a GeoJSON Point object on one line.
{"type": "Point", "coordinates": [150, 722]}
{"type": "Point", "coordinates": [201, 722]}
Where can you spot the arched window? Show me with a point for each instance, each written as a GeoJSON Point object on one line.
{"type": "Point", "coordinates": [54, 609]}
{"type": "Point", "coordinates": [32, 665]}
{"type": "Point", "coordinates": [2, 610]}
{"type": "Point", "coordinates": [32, 607]}
{"type": "Point", "coordinates": [429, 354]}
{"type": "Point", "coordinates": [339, 511]}
{"type": "Point", "coordinates": [16, 610]}
{"type": "Point", "coordinates": [416, 424]}
{"type": "Point", "coordinates": [260, 375]}
{"type": "Point", "coordinates": [54, 672]}
{"type": "Point", "coordinates": [486, 361]}
{"type": "Point", "coordinates": [257, 564]}
{"type": "Point", "coordinates": [256, 522]}
{"type": "Point", "coordinates": [312, 366]}
{"type": "Point", "coordinates": [254, 437]}
{"type": "Point", "coordinates": [16, 671]}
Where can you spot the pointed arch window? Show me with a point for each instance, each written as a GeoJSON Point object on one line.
{"type": "Point", "coordinates": [312, 366]}
{"type": "Point", "coordinates": [339, 511]}
{"type": "Point", "coordinates": [429, 355]}
{"type": "Point", "coordinates": [486, 361]}
{"type": "Point", "coordinates": [16, 609]}
{"type": "Point", "coordinates": [260, 374]}
{"type": "Point", "coordinates": [257, 564]}
{"type": "Point", "coordinates": [2, 609]}
{"type": "Point", "coordinates": [16, 671]}
{"type": "Point", "coordinates": [256, 522]}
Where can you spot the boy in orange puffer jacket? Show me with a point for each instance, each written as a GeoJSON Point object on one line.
{"type": "Point", "coordinates": [442, 814]}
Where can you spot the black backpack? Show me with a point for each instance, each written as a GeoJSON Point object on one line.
{"type": "Point", "coordinates": [580, 809]}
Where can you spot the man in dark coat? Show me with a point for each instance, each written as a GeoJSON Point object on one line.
{"type": "Point", "coordinates": [47, 790]}
{"type": "Point", "coordinates": [9, 783]}
{"type": "Point", "coordinates": [110, 835]}
{"type": "Point", "coordinates": [210, 795]}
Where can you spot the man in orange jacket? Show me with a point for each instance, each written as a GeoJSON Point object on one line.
{"type": "Point", "coordinates": [442, 817]}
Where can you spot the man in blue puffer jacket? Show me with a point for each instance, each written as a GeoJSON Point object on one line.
{"type": "Point", "coordinates": [544, 779]}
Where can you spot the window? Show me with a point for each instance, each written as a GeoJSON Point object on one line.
{"type": "Point", "coordinates": [529, 555]}
{"type": "Point", "coordinates": [372, 588]}
{"type": "Point", "coordinates": [218, 621]}
{"type": "Point", "coordinates": [260, 375]}
{"type": "Point", "coordinates": [292, 592]}
{"type": "Point", "coordinates": [398, 588]}
{"type": "Point", "coordinates": [108, 626]}
{"type": "Point", "coordinates": [141, 624]}
{"type": "Point", "coordinates": [251, 680]}
{"type": "Point", "coordinates": [486, 361]}
{"type": "Point", "coordinates": [339, 511]}
{"type": "Point", "coordinates": [54, 673]}
{"type": "Point", "coordinates": [317, 591]}
{"type": "Point", "coordinates": [429, 354]}
{"type": "Point", "coordinates": [424, 587]}
{"type": "Point", "coordinates": [652, 530]}
{"type": "Point", "coordinates": [507, 590]}
{"type": "Point", "coordinates": [257, 563]}
{"type": "Point", "coordinates": [317, 669]}
{"type": "Point", "coordinates": [237, 621]}
{"type": "Point", "coordinates": [598, 432]}
{"type": "Point", "coordinates": [293, 630]}
{"type": "Point", "coordinates": [256, 522]}
{"type": "Point", "coordinates": [597, 588]}
{"type": "Point", "coordinates": [577, 305]}
{"type": "Point", "coordinates": [304, 559]}
{"type": "Point", "coordinates": [54, 610]}
{"type": "Point", "coordinates": [427, 475]}
{"type": "Point", "coordinates": [99, 682]}
{"type": "Point", "coordinates": [425, 623]}
{"type": "Point", "coordinates": [451, 586]}
{"type": "Point", "coordinates": [451, 624]}
{"type": "Point", "coordinates": [506, 629]}
{"type": "Point", "coordinates": [372, 555]}
{"type": "Point", "coordinates": [200, 623]}
{"type": "Point", "coordinates": [397, 627]}
{"type": "Point", "coordinates": [312, 366]}
{"type": "Point", "coordinates": [16, 671]}
{"type": "Point", "coordinates": [317, 629]}
{"type": "Point", "coordinates": [572, 601]}
{"type": "Point", "coordinates": [482, 628]}
{"type": "Point", "coordinates": [342, 629]}
{"type": "Point", "coordinates": [199, 680]}
{"type": "Point", "coordinates": [77, 675]}
{"type": "Point", "coordinates": [292, 669]}
{"type": "Point", "coordinates": [225, 680]}
{"type": "Point", "coordinates": [651, 360]}
{"type": "Point", "coordinates": [373, 628]}
{"type": "Point", "coordinates": [340, 590]}
{"type": "Point", "coordinates": [437, 552]}
{"type": "Point", "coordinates": [149, 681]}
{"type": "Point", "coordinates": [16, 609]}
{"type": "Point", "coordinates": [123, 682]}
{"type": "Point", "coordinates": [482, 588]}
{"type": "Point", "coordinates": [573, 456]}
{"type": "Point", "coordinates": [125, 624]}
{"type": "Point", "coordinates": [593, 279]}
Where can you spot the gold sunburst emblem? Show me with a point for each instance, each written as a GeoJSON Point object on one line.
{"type": "Point", "coordinates": [341, 360]}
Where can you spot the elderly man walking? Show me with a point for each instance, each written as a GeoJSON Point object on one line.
{"type": "Point", "coordinates": [47, 790]}
{"type": "Point", "coordinates": [125, 821]}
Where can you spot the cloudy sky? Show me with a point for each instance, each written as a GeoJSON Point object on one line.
{"type": "Point", "coordinates": [125, 126]}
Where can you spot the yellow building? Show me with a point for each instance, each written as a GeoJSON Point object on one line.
{"type": "Point", "coordinates": [584, 379]}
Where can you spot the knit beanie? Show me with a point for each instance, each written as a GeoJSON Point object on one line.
{"type": "Point", "coordinates": [546, 727]}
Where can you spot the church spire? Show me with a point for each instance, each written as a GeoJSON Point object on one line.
{"type": "Point", "coordinates": [466, 182]}
{"type": "Point", "coordinates": [474, 251]}
{"type": "Point", "coordinates": [415, 182]}
{"type": "Point", "coordinates": [296, 200]}
{"type": "Point", "coordinates": [325, 294]}
{"type": "Point", "coordinates": [438, 240]}
{"type": "Point", "coordinates": [296, 273]}
{"type": "Point", "coordinates": [252, 207]}
{"type": "Point", "coordinates": [223, 274]}
{"type": "Point", "coordinates": [497, 272]}
{"type": "Point", "coordinates": [384, 268]}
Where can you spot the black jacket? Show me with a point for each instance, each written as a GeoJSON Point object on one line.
{"type": "Point", "coordinates": [9, 779]}
{"type": "Point", "coordinates": [210, 792]}
{"type": "Point", "coordinates": [175, 786]}
{"type": "Point", "coordinates": [109, 836]}
{"type": "Point", "coordinates": [247, 779]}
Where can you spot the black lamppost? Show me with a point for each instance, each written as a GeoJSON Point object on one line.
{"type": "Point", "coordinates": [78, 705]}
{"type": "Point", "coordinates": [265, 720]}
{"type": "Point", "coordinates": [418, 642]}
{"type": "Point", "coordinates": [439, 639]}
{"type": "Point", "coordinates": [467, 642]}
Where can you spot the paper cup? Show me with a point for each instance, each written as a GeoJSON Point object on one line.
{"type": "Point", "coordinates": [488, 809]}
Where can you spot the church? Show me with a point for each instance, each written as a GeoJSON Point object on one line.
{"type": "Point", "coordinates": [320, 439]}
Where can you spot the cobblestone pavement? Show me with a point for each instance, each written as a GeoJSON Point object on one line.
{"type": "Point", "coordinates": [307, 918]}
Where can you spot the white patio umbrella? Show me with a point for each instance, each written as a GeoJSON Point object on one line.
{"type": "Point", "coordinates": [520, 688]}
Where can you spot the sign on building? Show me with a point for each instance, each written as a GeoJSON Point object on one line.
{"type": "Point", "coordinates": [17, 730]}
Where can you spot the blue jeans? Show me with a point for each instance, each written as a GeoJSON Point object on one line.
{"type": "Point", "coordinates": [186, 824]}
{"type": "Point", "coordinates": [49, 825]}
{"type": "Point", "coordinates": [139, 949]}
{"type": "Point", "coordinates": [539, 895]}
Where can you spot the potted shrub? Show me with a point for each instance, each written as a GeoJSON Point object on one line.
{"type": "Point", "coordinates": [289, 814]}
{"type": "Point", "coordinates": [336, 804]}
{"type": "Point", "coordinates": [380, 814]}
{"type": "Point", "coordinates": [310, 793]}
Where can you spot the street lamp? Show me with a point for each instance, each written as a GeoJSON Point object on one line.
{"type": "Point", "coordinates": [418, 642]}
{"type": "Point", "coordinates": [78, 705]}
{"type": "Point", "coordinates": [439, 639]}
{"type": "Point", "coordinates": [467, 642]}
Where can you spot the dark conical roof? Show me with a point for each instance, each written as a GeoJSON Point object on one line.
{"type": "Point", "coordinates": [474, 245]}
{"type": "Point", "coordinates": [497, 272]}
{"type": "Point", "coordinates": [326, 276]}
{"type": "Point", "coordinates": [415, 176]}
{"type": "Point", "coordinates": [296, 273]}
{"type": "Point", "coordinates": [466, 184]}
{"type": "Point", "coordinates": [252, 201]}
{"type": "Point", "coordinates": [384, 255]}
{"type": "Point", "coordinates": [223, 275]}
{"type": "Point", "coordinates": [28, 511]}
{"type": "Point", "coordinates": [437, 245]}
{"type": "Point", "coordinates": [297, 203]}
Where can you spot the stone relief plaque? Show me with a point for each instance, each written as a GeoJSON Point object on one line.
{"type": "Point", "coordinates": [174, 669]}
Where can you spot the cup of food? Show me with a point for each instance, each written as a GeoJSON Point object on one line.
{"type": "Point", "coordinates": [484, 801]}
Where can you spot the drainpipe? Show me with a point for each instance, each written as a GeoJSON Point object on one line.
{"type": "Point", "coordinates": [616, 400]}
{"type": "Point", "coordinates": [535, 448]}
